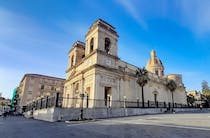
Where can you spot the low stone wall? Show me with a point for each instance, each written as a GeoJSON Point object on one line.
{"type": "Point", "coordinates": [28, 114]}
{"type": "Point", "coordinates": [120, 112]}
{"type": "Point", "coordinates": [64, 114]}
{"type": "Point", "coordinates": [44, 114]}
{"type": "Point", "coordinates": [192, 110]}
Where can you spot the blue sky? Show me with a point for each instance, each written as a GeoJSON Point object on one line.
{"type": "Point", "coordinates": [36, 35]}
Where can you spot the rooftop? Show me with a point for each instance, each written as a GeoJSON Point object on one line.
{"type": "Point", "coordinates": [40, 75]}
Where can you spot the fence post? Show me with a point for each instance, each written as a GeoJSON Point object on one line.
{"type": "Point", "coordinates": [34, 104]}
{"type": "Point", "coordinates": [164, 104]}
{"type": "Point", "coordinates": [169, 106]}
{"type": "Point", "coordinates": [41, 104]}
{"type": "Point", "coordinates": [138, 102]}
{"type": "Point", "coordinates": [148, 103]}
{"type": "Point", "coordinates": [46, 102]}
{"type": "Point", "coordinates": [56, 99]}
{"type": "Point", "coordinates": [87, 100]}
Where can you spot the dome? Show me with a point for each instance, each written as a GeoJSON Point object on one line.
{"type": "Point", "coordinates": [155, 65]}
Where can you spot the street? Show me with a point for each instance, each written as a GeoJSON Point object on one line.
{"type": "Point", "coordinates": [188, 125]}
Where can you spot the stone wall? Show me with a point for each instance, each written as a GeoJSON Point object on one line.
{"type": "Point", "coordinates": [46, 114]}
{"type": "Point", "coordinates": [64, 114]}
{"type": "Point", "coordinates": [28, 114]}
{"type": "Point", "coordinates": [192, 110]}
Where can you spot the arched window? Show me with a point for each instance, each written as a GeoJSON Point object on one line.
{"type": "Point", "coordinates": [155, 97]}
{"type": "Point", "coordinates": [72, 61]}
{"type": "Point", "coordinates": [42, 87]}
{"type": "Point", "coordinates": [91, 44]}
{"type": "Point", "coordinates": [107, 45]}
{"type": "Point", "coordinates": [162, 73]}
{"type": "Point", "coordinates": [156, 62]}
{"type": "Point", "coordinates": [156, 72]}
{"type": "Point", "coordinates": [77, 88]}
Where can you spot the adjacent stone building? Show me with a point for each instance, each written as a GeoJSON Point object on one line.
{"type": "Point", "coordinates": [196, 96]}
{"type": "Point", "coordinates": [95, 70]}
{"type": "Point", "coordinates": [4, 104]}
{"type": "Point", "coordinates": [33, 86]}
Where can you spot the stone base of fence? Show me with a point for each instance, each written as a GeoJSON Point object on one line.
{"type": "Point", "coordinates": [28, 114]}
{"type": "Point", "coordinates": [63, 114]}
{"type": "Point", "coordinates": [192, 110]}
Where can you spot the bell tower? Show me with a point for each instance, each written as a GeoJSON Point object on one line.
{"type": "Point", "coordinates": [102, 37]}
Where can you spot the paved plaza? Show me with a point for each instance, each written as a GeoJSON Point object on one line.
{"type": "Point", "coordinates": [188, 125]}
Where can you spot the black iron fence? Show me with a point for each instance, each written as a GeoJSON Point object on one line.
{"type": "Point", "coordinates": [86, 102]}
{"type": "Point", "coordinates": [100, 103]}
{"type": "Point", "coordinates": [45, 102]}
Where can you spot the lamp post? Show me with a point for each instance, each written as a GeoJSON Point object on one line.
{"type": "Point", "coordinates": [87, 100]}
{"type": "Point", "coordinates": [109, 100]}
{"type": "Point", "coordinates": [137, 101]}
{"type": "Point", "coordinates": [82, 95]}
{"type": "Point", "coordinates": [124, 101]}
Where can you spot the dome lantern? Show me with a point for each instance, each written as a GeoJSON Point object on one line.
{"type": "Point", "coordinates": [155, 65]}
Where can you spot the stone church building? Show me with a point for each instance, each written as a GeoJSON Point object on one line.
{"type": "Point", "coordinates": [95, 71]}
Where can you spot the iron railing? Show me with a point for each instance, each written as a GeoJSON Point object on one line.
{"type": "Point", "coordinates": [85, 102]}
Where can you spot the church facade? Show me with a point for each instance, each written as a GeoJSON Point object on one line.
{"type": "Point", "coordinates": [95, 71]}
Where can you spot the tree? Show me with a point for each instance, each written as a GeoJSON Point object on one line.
{"type": "Point", "coordinates": [205, 88]}
{"type": "Point", "coordinates": [206, 91]}
{"type": "Point", "coordinates": [190, 99]}
{"type": "Point", "coordinates": [171, 85]}
{"type": "Point", "coordinates": [142, 75]}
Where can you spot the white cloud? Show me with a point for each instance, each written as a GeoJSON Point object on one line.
{"type": "Point", "coordinates": [23, 39]}
{"type": "Point", "coordinates": [74, 29]}
{"type": "Point", "coordinates": [28, 47]}
{"type": "Point", "coordinates": [194, 15]}
{"type": "Point", "coordinates": [23, 29]}
{"type": "Point", "coordinates": [132, 9]}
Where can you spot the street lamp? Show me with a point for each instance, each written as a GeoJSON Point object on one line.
{"type": "Point", "coordinates": [109, 105]}
{"type": "Point", "coordinates": [87, 100]}
{"type": "Point", "coordinates": [82, 95]}
{"type": "Point", "coordinates": [137, 101]}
